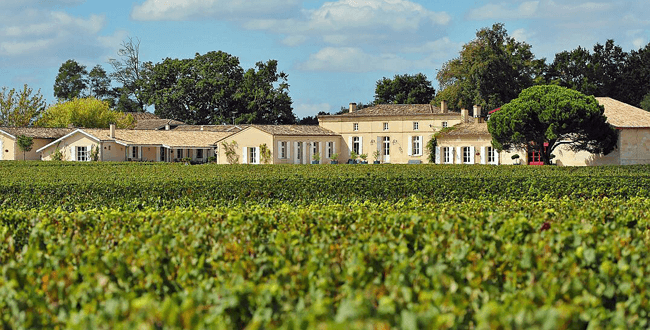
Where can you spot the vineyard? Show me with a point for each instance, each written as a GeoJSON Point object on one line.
{"type": "Point", "coordinates": [86, 246]}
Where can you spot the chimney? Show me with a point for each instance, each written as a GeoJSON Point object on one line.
{"type": "Point", "coordinates": [112, 130]}
{"type": "Point", "coordinates": [201, 127]}
{"type": "Point", "coordinates": [464, 114]}
{"type": "Point", "coordinates": [443, 106]}
{"type": "Point", "coordinates": [353, 107]}
{"type": "Point", "coordinates": [477, 111]}
{"type": "Point", "coordinates": [167, 127]}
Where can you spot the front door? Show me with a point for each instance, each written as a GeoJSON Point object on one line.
{"type": "Point", "coordinates": [386, 149]}
{"type": "Point", "coordinates": [534, 157]}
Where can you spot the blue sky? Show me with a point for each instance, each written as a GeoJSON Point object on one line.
{"type": "Point", "coordinates": [333, 51]}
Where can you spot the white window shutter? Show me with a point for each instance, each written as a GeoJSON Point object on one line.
{"type": "Point", "coordinates": [257, 156]}
{"type": "Point", "coordinates": [472, 153]}
{"type": "Point", "coordinates": [379, 142]}
{"type": "Point", "coordinates": [459, 155]}
{"type": "Point", "coordinates": [89, 148]}
{"type": "Point", "coordinates": [349, 146]}
{"type": "Point", "coordinates": [496, 156]}
{"type": "Point", "coordinates": [360, 145]}
{"type": "Point", "coordinates": [73, 154]}
{"type": "Point", "coordinates": [410, 145]}
{"type": "Point", "coordinates": [483, 155]}
{"type": "Point", "coordinates": [279, 152]}
{"type": "Point", "coordinates": [245, 156]}
{"type": "Point", "coordinates": [295, 152]}
{"type": "Point", "coordinates": [288, 149]}
{"type": "Point", "coordinates": [437, 155]}
{"type": "Point", "coordinates": [421, 144]}
{"type": "Point", "coordinates": [140, 152]}
{"type": "Point", "coordinates": [333, 146]}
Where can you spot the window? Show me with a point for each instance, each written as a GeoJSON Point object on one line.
{"type": "Point", "coordinates": [283, 149]}
{"type": "Point", "coordinates": [179, 153]}
{"type": "Point", "coordinates": [491, 155]}
{"type": "Point", "coordinates": [199, 153]}
{"type": "Point", "coordinates": [386, 145]}
{"type": "Point", "coordinates": [314, 148]}
{"type": "Point", "coordinates": [330, 149]}
{"type": "Point", "coordinates": [444, 124]}
{"type": "Point", "coordinates": [355, 126]}
{"type": "Point", "coordinates": [299, 149]}
{"type": "Point", "coordinates": [82, 154]}
{"type": "Point", "coordinates": [385, 126]}
{"type": "Point", "coordinates": [467, 155]}
{"type": "Point", "coordinates": [134, 152]}
{"type": "Point", "coordinates": [252, 155]}
{"type": "Point", "coordinates": [447, 153]}
{"type": "Point", "coordinates": [356, 145]}
{"type": "Point", "coordinates": [417, 146]}
{"type": "Point", "coordinates": [416, 126]}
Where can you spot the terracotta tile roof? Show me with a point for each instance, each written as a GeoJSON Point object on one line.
{"type": "Point", "coordinates": [38, 132]}
{"type": "Point", "coordinates": [395, 110]}
{"type": "Point", "coordinates": [153, 124]}
{"type": "Point", "coordinates": [623, 115]}
{"type": "Point", "coordinates": [468, 128]}
{"type": "Point", "coordinates": [294, 130]}
{"type": "Point", "coordinates": [171, 138]}
{"type": "Point", "coordinates": [211, 128]}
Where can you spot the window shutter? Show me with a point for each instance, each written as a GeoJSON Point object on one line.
{"type": "Point", "coordinates": [320, 151]}
{"type": "Point", "coordinates": [483, 155]}
{"type": "Point", "coordinates": [349, 146]}
{"type": "Point", "coordinates": [437, 155]}
{"type": "Point", "coordinates": [410, 145]}
{"type": "Point", "coordinates": [257, 156]}
{"type": "Point", "coordinates": [279, 152]}
{"type": "Point", "coordinates": [73, 154]}
{"type": "Point", "coordinates": [379, 142]}
{"type": "Point", "coordinates": [288, 149]}
{"type": "Point", "coordinates": [245, 156]}
{"type": "Point", "coordinates": [333, 146]}
{"type": "Point", "coordinates": [90, 148]}
{"type": "Point", "coordinates": [295, 152]}
{"type": "Point", "coordinates": [459, 155]}
{"type": "Point", "coordinates": [140, 152]}
{"type": "Point", "coordinates": [496, 156]}
{"type": "Point", "coordinates": [421, 145]}
{"type": "Point", "coordinates": [472, 153]}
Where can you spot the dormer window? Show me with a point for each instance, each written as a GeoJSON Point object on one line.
{"type": "Point", "coordinates": [416, 126]}
{"type": "Point", "coordinates": [385, 126]}
{"type": "Point", "coordinates": [355, 126]}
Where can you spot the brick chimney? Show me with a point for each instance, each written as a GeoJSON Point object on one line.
{"type": "Point", "coordinates": [477, 111]}
{"type": "Point", "coordinates": [112, 131]}
{"type": "Point", "coordinates": [443, 106]}
{"type": "Point", "coordinates": [353, 107]}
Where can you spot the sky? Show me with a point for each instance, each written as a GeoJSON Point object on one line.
{"type": "Point", "coordinates": [334, 52]}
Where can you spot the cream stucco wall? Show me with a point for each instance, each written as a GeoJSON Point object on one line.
{"type": "Point", "coordinates": [400, 131]}
{"type": "Point", "coordinates": [8, 150]}
{"type": "Point", "coordinates": [113, 152]}
{"type": "Point", "coordinates": [480, 143]}
{"type": "Point", "coordinates": [308, 143]}
{"type": "Point", "coordinates": [68, 147]}
{"type": "Point", "coordinates": [248, 138]}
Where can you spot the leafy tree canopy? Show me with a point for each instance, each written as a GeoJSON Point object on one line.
{"type": "Point", "coordinates": [86, 112]}
{"type": "Point", "coordinates": [404, 89]}
{"type": "Point", "coordinates": [71, 81]}
{"type": "Point", "coordinates": [645, 103]}
{"type": "Point", "coordinates": [554, 115]}
{"type": "Point", "coordinates": [99, 84]}
{"type": "Point", "coordinates": [213, 89]}
{"type": "Point", "coordinates": [20, 108]}
{"type": "Point", "coordinates": [491, 70]}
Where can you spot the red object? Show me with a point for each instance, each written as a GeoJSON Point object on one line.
{"type": "Point", "coordinates": [534, 157]}
{"type": "Point", "coordinates": [493, 111]}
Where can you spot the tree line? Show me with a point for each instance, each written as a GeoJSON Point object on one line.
{"type": "Point", "coordinates": [494, 69]}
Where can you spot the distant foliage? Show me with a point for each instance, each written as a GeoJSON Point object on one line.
{"type": "Point", "coordinates": [87, 112]}
{"type": "Point", "coordinates": [404, 89]}
{"type": "Point", "coordinates": [19, 108]}
{"type": "Point", "coordinates": [25, 144]}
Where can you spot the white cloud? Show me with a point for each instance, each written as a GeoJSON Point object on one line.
{"type": "Point", "coordinates": [442, 48]}
{"type": "Point", "coordinates": [354, 59]}
{"type": "Point", "coordinates": [501, 11]}
{"type": "Point", "coordinates": [350, 22]}
{"type": "Point", "coordinates": [41, 37]}
{"type": "Point", "coordinates": [178, 10]}
{"type": "Point", "coordinates": [521, 35]}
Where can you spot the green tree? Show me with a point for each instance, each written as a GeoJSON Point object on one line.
{"type": "Point", "coordinates": [99, 84]}
{"type": "Point", "coordinates": [86, 112]}
{"type": "Point", "coordinates": [20, 108]}
{"type": "Point", "coordinates": [71, 81]}
{"type": "Point", "coordinates": [555, 115]}
{"type": "Point", "coordinates": [645, 103]}
{"type": "Point", "coordinates": [635, 77]}
{"type": "Point", "coordinates": [25, 144]}
{"type": "Point", "coordinates": [491, 70]}
{"type": "Point", "coordinates": [129, 71]}
{"type": "Point", "coordinates": [404, 89]}
{"type": "Point", "coordinates": [266, 95]}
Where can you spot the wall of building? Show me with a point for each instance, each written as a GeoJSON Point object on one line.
{"type": "Point", "coordinates": [634, 146]}
{"type": "Point", "coordinates": [480, 143]}
{"type": "Point", "coordinates": [113, 152]}
{"type": "Point", "coordinates": [400, 131]}
{"type": "Point", "coordinates": [308, 142]}
{"type": "Point", "coordinates": [68, 145]}
{"type": "Point", "coordinates": [8, 148]}
{"type": "Point", "coordinates": [248, 138]}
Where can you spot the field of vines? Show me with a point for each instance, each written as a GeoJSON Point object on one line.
{"type": "Point", "coordinates": [171, 246]}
